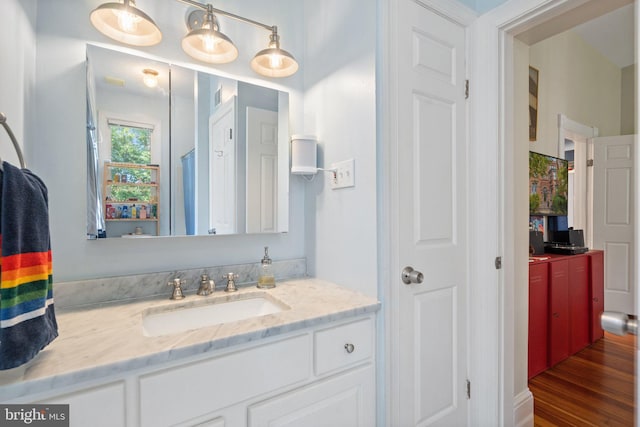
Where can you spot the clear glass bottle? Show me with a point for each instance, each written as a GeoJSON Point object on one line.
{"type": "Point", "coordinates": [266, 279]}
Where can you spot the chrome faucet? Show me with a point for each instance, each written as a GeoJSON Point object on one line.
{"type": "Point", "coordinates": [177, 288]}
{"type": "Point", "coordinates": [207, 286]}
{"type": "Point", "coordinates": [231, 284]}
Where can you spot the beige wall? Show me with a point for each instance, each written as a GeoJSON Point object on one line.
{"type": "Point", "coordinates": [577, 81]}
{"type": "Point", "coordinates": [627, 104]}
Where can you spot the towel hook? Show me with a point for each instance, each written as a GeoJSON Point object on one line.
{"type": "Point", "coordinates": [3, 122]}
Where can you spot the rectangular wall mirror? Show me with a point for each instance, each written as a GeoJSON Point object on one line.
{"type": "Point", "coordinates": [173, 151]}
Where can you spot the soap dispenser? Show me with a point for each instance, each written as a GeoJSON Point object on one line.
{"type": "Point", "coordinates": [266, 279]}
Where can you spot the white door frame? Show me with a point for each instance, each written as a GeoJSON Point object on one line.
{"type": "Point", "coordinates": [568, 127]}
{"type": "Point", "coordinates": [582, 184]}
{"type": "Point", "coordinates": [493, 296]}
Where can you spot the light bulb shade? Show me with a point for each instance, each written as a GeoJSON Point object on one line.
{"type": "Point", "coordinates": [126, 23]}
{"type": "Point", "coordinates": [274, 62]}
{"type": "Point", "coordinates": [209, 45]}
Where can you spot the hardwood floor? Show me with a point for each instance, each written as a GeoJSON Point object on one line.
{"type": "Point", "coordinates": [595, 387]}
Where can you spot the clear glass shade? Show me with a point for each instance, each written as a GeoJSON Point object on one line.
{"type": "Point", "coordinates": [209, 45]}
{"type": "Point", "coordinates": [126, 23]}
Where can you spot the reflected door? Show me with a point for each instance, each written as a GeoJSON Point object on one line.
{"type": "Point", "coordinates": [262, 170]}
{"type": "Point", "coordinates": [222, 170]}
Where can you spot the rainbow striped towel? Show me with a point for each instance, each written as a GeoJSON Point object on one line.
{"type": "Point", "coordinates": [27, 317]}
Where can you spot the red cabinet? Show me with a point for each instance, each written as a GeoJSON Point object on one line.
{"type": "Point", "coordinates": [579, 315]}
{"type": "Point", "coordinates": [538, 318]}
{"type": "Point", "coordinates": [596, 281]}
{"type": "Point", "coordinates": [558, 311]}
{"type": "Point", "coordinates": [566, 298]}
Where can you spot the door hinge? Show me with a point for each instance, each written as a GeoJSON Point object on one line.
{"type": "Point", "coordinates": [466, 89]}
{"type": "Point", "coordinates": [498, 262]}
{"type": "Point", "coordinates": [468, 389]}
{"type": "Point", "coordinates": [589, 162]}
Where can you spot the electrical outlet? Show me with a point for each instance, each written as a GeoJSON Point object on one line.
{"type": "Point", "coordinates": [344, 174]}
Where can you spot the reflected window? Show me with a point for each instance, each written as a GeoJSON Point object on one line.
{"type": "Point", "coordinates": [131, 144]}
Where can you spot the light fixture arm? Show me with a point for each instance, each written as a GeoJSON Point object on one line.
{"type": "Point", "coordinates": [210, 9]}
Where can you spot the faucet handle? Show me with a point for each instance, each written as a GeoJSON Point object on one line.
{"type": "Point", "coordinates": [177, 288]}
{"type": "Point", "coordinates": [231, 284]}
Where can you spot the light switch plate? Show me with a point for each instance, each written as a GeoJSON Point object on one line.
{"type": "Point", "coordinates": [344, 175]}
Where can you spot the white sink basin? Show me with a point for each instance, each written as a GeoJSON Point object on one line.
{"type": "Point", "coordinates": [196, 314]}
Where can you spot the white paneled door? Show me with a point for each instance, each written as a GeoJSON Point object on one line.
{"type": "Point", "coordinates": [222, 169]}
{"type": "Point", "coordinates": [613, 214]}
{"type": "Point", "coordinates": [429, 319]}
{"type": "Point", "coordinates": [262, 170]}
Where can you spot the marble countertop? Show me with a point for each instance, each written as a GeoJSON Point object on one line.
{"type": "Point", "coordinates": [107, 339]}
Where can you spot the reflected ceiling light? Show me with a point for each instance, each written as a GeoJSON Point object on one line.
{"type": "Point", "coordinates": [273, 61]}
{"type": "Point", "coordinates": [150, 78]}
{"type": "Point", "coordinates": [126, 23]}
{"type": "Point", "coordinates": [207, 43]}
{"type": "Point", "coordinates": [204, 41]}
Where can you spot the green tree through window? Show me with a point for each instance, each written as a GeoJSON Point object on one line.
{"type": "Point", "coordinates": [131, 145]}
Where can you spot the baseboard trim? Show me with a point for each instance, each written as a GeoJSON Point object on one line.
{"type": "Point", "coordinates": [523, 409]}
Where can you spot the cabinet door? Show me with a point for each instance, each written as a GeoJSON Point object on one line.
{"type": "Point", "coordinates": [191, 391]}
{"type": "Point", "coordinates": [347, 400]}
{"type": "Point", "coordinates": [578, 303]}
{"type": "Point", "coordinates": [559, 311]}
{"type": "Point", "coordinates": [102, 406]}
{"type": "Point", "coordinates": [596, 283]}
{"type": "Point", "coordinates": [538, 318]}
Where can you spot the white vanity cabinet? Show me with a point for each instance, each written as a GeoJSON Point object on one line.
{"type": "Point", "coordinates": [346, 400]}
{"type": "Point", "coordinates": [312, 377]}
{"type": "Point", "coordinates": [181, 393]}
{"type": "Point", "coordinates": [95, 404]}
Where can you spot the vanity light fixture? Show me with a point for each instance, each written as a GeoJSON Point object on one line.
{"type": "Point", "coordinates": [203, 42]}
{"type": "Point", "coordinates": [150, 78]}
{"type": "Point", "coordinates": [207, 43]}
{"type": "Point", "coordinates": [126, 23]}
{"type": "Point", "coordinates": [273, 61]}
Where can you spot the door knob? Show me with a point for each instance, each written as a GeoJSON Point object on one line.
{"type": "Point", "coordinates": [618, 323]}
{"type": "Point", "coordinates": [409, 276]}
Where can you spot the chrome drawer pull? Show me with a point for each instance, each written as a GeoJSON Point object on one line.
{"type": "Point", "coordinates": [349, 348]}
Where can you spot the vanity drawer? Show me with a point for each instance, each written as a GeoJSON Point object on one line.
{"type": "Point", "coordinates": [186, 392]}
{"type": "Point", "coordinates": [343, 346]}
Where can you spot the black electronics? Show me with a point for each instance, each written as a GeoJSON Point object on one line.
{"type": "Point", "coordinates": [566, 242]}
{"type": "Point", "coordinates": [536, 243]}
{"type": "Point", "coordinates": [554, 248]}
{"type": "Point", "coordinates": [568, 237]}
{"type": "Point", "coordinates": [557, 223]}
